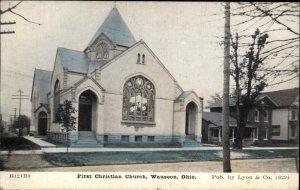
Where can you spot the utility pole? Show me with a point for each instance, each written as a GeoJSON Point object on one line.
{"type": "Point", "coordinates": [225, 109]}
{"type": "Point", "coordinates": [20, 97]}
{"type": "Point", "coordinates": [15, 114]}
{"type": "Point", "coordinates": [7, 23]}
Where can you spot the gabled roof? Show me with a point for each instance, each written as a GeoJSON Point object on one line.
{"type": "Point", "coordinates": [183, 95]}
{"type": "Point", "coordinates": [218, 104]}
{"type": "Point", "coordinates": [77, 61]}
{"type": "Point", "coordinates": [283, 98]}
{"type": "Point", "coordinates": [46, 106]}
{"type": "Point", "coordinates": [216, 118]}
{"type": "Point", "coordinates": [42, 79]}
{"type": "Point", "coordinates": [115, 29]}
{"type": "Point", "coordinates": [280, 98]}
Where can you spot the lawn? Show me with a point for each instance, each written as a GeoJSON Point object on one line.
{"type": "Point", "coordinates": [17, 143]}
{"type": "Point", "coordinates": [99, 158]}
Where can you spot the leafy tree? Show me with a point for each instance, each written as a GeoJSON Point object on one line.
{"type": "Point", "coordinates": [249, 81]}
{"type": "Point", "coordinates": [21, 123]}
{"type": "Point", "coordinates": [64, 116]}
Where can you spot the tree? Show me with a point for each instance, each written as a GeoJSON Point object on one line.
{"type": "Point", "coordinates": [216, 98]}
{"type": "Point", "coordinates": [11, 9]}
{"type": "Point", "coordinates": [281, 22]}
{"type": "Point", "coordinates": [249, 81]}
{"type": "Point", "coordinates": [64, 116]}
{"type": "Point", "coordinates": [21, 123]}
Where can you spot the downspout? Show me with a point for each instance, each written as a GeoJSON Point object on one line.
{"type": "Point", "coordinates": [288, 126]}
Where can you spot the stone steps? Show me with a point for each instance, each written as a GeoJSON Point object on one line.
{"type": "Point", "coordinates": [190, 143]}
{"type": "Point", "coordinates": [87, 139]}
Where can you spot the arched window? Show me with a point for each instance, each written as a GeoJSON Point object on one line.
{"type": "Point", "coordinates": [56, 98]}
{"type": "Point", "coordinates": [138, 58]}
{"type": "Point", "coordinates": [143, 59]}
{"type": "Point", "coordinates": [102, 51]}
{"type": "Point", "coordinates": [138, 100]}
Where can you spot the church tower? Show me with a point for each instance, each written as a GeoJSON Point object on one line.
{"type": "Point", "coordinates": [112, 38]}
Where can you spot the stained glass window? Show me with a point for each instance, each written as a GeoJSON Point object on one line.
{"type": "Point", "coordinates": [56, 98]}
{"type": "Point", "coordinates": [138, 100]}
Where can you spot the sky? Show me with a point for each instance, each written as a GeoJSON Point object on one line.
{"type": "Point", "coordinates": [185, 36]}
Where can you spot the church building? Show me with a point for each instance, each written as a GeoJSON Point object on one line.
{"type": "Point", "coordinates": [122, 93]}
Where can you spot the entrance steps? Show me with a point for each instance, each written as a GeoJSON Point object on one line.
{"type": "Point", "coordinates": [87, 139]}
{"type": "Point", "coordinates": [189, 142]}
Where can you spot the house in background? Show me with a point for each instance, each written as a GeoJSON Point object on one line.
{"type": "Point", "coordinates": [285, 115]}
{"type": "Point", "coordinates": [122, 91]}
{"type": "Point", "coordinates": [274, 117]}
{"type": "Point", "coordinates": [212, 128]}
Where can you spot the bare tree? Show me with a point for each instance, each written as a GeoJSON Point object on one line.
{"type": "Point", "coordinates": [11, 9]}
{"type": "Point", "coordinates": [249, 81]}
{"type": "Point", "coordinates": [281, 22]}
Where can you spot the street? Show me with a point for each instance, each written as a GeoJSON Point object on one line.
{"type": "Point", "coordinates": [279, 165]}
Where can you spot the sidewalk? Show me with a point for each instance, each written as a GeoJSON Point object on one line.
{"type": "Point", "coordinates": [41, 143]}
{"type": "Point", "coordinates": [47, 147]}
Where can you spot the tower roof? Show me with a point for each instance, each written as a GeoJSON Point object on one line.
{"type": "Point", "coordinates": [115, 29]}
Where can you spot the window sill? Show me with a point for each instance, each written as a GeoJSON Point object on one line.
{"type": "Point", "coordinates": [139, 122]}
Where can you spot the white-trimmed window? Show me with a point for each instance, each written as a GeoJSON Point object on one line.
{"type": "Point", "coordinates": [293, 115]}
{"type": "Point", "coordinates": [275, 130]}
{"type": "Point", "coordinates": [293, 130]}
{"type": "Point", "coordinates": [256, 115]}
{"type": "Point", "coordinates": [255, 133]}
{"type": "Point", "coordinates": [265, 116]}
{"type": "Point", "coordinates": [265, 133]}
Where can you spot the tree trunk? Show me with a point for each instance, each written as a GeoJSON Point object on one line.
{"type": "Point", "coordinates": [225, 112]}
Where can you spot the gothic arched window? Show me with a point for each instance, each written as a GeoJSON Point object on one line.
{"type": "Point", "coordinates": [143, 59]}
{"type": "Point", "coordinates": [138, 100]}
{"type": "Point", "coordinates": [56, 98]}
{"type": "Point", "coordinates": [138, 58]}
{"type": "Point", "coordinates": [102, 51]}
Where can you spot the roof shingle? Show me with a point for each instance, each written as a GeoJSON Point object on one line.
{"type": "Point", "coordinates": [43, 80]}
{"type": "Point", "coordinates": [115, 29]}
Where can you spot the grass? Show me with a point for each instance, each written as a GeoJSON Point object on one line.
{"type": "Point", "coordinates": [58, 144]}
{"type": "Point", "coordinates": [98, 158]}
{"type": "Point", "coordinates": [17, 143]}
{"type": "Point", "coordinates": [277, 143]}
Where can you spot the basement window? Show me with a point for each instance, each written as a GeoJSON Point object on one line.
{"type": "Point", "coordinates": [150, 139]}
{"type": "Point", "coordinates": [138, 138]}
{"type": "Point", "coordinates": [125, 138]}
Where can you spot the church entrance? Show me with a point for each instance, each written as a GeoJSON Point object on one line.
{"type": "Point", "coordinates": [87, 111]}
{"type": "Point", "coordinates": [42, 125]}
{"type": "Point", "coordinates": [190, 119]}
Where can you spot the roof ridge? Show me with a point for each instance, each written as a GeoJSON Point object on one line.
{"type": "Point", "coordinates": [116, 29]}
{"type": "Point", "coordinates": [281, 90]}
{"type": "Point", "coordinates": [70, 49]}
{"type": "Point", "coordinates": [42, 70]}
